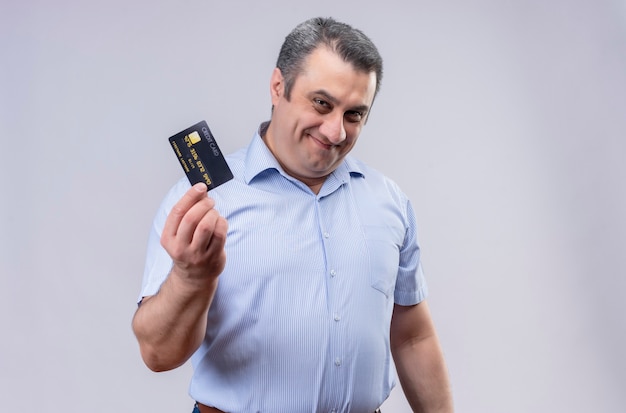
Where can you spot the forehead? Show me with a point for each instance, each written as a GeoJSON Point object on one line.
{"type": "Point", "coordinates": [324, 69]}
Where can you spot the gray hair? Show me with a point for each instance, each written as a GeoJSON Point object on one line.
{"type": "Point", "coordinates": [351, 44]}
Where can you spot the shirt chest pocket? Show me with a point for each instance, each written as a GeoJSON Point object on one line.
{"type": "Point", "coordinates": [383, 243]}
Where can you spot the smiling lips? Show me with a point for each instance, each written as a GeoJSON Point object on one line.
{"type": "Point", "coordinates": [320, 143]}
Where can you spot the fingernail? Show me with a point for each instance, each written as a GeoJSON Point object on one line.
{"type": "Point", "coordinates": [200, 187]}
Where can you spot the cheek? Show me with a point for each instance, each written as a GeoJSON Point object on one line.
{"type": "Point", "coordinates": [352, 133]}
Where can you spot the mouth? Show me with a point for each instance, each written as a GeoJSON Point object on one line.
{"type": "Point", "coordinates": [320, 143]}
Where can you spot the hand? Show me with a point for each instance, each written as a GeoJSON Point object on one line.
{"type": "Point", "coordinates": [194, 236]}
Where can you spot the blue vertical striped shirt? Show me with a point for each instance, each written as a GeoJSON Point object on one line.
{"type": "Point", "coordinates": [300, 319]}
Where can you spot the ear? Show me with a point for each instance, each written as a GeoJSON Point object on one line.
{"type": "Point", "coordinates": [277, 86]}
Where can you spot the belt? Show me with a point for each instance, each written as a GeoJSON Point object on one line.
{"type": "Point", "coordinates": [209, 409]}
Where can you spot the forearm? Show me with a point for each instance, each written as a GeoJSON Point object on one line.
{"type": "Point", "coordinates": [171, 325]}
{"type": "Point", "coordinates": [423, 375]}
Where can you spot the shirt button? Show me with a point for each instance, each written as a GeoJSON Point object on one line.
{"type": "Point", "coordinates": [333, 411]}
{"type": "Point", "coordinates": [337, 362]}
{"type": "Point", "coordinates": [333, 273]}
{"type": "Point", "coordinates": [337, 318]}
{"type": "Point", "coordinates": [326, 235]}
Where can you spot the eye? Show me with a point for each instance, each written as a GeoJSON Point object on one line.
{"type": "Point", "coordinates": [321, 105]}
{"type": "Point", "coordinates": [354, 116]}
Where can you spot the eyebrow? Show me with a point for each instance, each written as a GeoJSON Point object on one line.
{"type": "Point", "coordinates": [335, 101]}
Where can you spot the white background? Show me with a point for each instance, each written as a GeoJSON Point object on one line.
{"type": "Point", "coordinates": [504, 121]}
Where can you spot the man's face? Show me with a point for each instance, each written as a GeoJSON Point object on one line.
{"type": "Point", "coordinates": [312, 132]}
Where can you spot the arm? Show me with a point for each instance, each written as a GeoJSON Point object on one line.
{"type": "Point", "coordinates": [171, 324]}
{"type": "Point", "coordinates": [419, 359]}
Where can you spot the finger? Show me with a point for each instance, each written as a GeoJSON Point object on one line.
{"type": "Point", "coordinates": [190, 198]}
{"type": "Point", "coordinates": [216, 249]}
{"type": "Point", "coordinates": [188, 226]}
{"type": "Point", "coordinates": [204, 229]}
{"type": "Point", "coordinates": [218, 238]}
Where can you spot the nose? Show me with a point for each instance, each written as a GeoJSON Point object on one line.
{"type": "Point", "coordinates": [333, 129]}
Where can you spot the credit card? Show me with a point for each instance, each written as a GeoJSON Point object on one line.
{"type": "Point", "coordinates": [200, 156]}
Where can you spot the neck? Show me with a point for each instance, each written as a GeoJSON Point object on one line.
{"type": "Point", "coordinates": [315, 184]}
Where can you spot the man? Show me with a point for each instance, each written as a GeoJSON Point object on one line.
{"type": "Point", "coordinates": [291, 286]}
